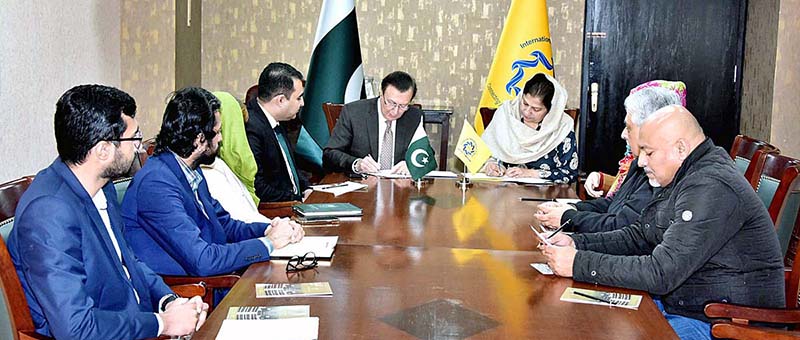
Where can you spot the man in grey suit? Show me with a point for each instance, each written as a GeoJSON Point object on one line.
{"type": "Point", "coordinates": [373, 134]}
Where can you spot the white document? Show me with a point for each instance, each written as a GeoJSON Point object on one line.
{"type": "Point", "coordinates": [442, 174]}
{"type": "Point", "coordinates": [542, 268]}
{"type": "Point", "coordinates": [525, 180]}
{"type": "Point", "coordinates": [568, 200]}
{"type": "Point", "coordinates": [387, 174]}
{"type": "Point", "coordinates": [321, 246]}
{"type": "Point", "coordinates": [339, 188]}
{"type": "Point", "coordinates": [275, 329]}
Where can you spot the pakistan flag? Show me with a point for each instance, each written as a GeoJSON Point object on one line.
{"type": "Point", "coordinates": [419, 157]}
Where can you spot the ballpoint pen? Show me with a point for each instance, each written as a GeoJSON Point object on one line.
{"type": "Point", "coordinates": [559, 228]}
{"type": "Point", "coordinates": [593, 297]}
{"type": "Point", "coordinates": [536, 199]}
{"type": "Point", "coordinates": [334, 186]}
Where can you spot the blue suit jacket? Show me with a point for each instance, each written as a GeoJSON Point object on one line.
{"type": "Point", "coordinates": [72, 277]}
{"type": "Point", "coordinates": [167, 229]}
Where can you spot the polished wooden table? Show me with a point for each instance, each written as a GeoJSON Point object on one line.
{"type": "Point", "coordinates": [422, 264]}
{"type": "Point", "coordinates": [488, 215]}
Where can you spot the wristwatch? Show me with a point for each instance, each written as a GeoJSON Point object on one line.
{"type": "Point", "coordinates": [170, 298]}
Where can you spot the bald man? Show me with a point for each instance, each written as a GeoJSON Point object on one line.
{"type": "Point", "coordinates": [704, 237]}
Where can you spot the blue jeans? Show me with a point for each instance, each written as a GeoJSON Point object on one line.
{"type": "Point", "coordinates": [686, 328]}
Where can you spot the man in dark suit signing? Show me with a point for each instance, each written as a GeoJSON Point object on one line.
{"type": "Point", "coordinates": [280, 98]}
{"type": "Point", "coordinates": [373, 134]}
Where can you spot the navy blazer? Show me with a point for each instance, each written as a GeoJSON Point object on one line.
{"type": "Point", "coordinates": [167, 229]}
{"type": "Point", "coordinates": [72, 277]}
{"type": "Point", "coordinates": [272, 181]}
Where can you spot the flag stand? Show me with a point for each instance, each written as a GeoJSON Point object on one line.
{"type": "Point", "coordinates": [463, 182]}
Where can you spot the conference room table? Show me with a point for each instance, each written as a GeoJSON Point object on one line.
{"type": "Point", "coordinates": [438, 261]}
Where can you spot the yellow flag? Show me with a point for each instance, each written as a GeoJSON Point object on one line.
{"type": "Point", "coordinates": [523, 50]}
{"type": "Point", "coordinates": [471, 149]}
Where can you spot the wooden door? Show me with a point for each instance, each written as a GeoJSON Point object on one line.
{"type": "Point", "coordinates": [628, 42]}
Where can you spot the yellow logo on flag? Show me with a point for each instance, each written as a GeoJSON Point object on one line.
{"type": "Point", "coordinates": [471, 149]}
{"type": "Point", "coordinates": [523, 50]}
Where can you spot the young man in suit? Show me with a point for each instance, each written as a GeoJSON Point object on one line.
{"type": "Point", "coordinates": [280, 98]}
{"type": "Point", "coordinates": [373, 134]}
{"type": "Point", "coordinates": [81, 279]}
{"type": "Point", "coordinates": [172, 222]}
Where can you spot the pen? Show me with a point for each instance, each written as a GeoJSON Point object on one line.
{"type": "Point", "coordinates": [559, 228]}
{"type": "Point", "coordinates": [335, 186]}
{"type": "Point", "coordinates": [536, 199]}
{"type": "Point", "coordinates": [592, 297]}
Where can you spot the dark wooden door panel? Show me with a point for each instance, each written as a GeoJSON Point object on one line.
{"type": "Point", "coordinates": [631, 42]}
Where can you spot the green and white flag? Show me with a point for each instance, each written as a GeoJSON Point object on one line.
{"type": "Point", "coordinates": [335, 73]}
{"type": "Point", "coordinates": [419, 156]}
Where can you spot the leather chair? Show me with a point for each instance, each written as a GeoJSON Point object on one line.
{"type": "Point", "coordinates": [744, 149]}
{"type": "Point", "coordinates": [332, 112]}
{"type": "Point", "coordinates": [772, 176]}
{"type": "Point", "coordinates": [737, 319]}
{"type": "Point", "coordinates": [782, 198]}
{"type": "Point", "coordinates": [734, 322]}
{"type": "Point", "coordinates": [15, 316]}
{"type": "Point", "coordinates": [10, 193]}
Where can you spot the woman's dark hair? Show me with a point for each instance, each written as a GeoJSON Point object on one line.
{"type": "Point", "coordinates": [401, 81]}
{"type": "Point", "coordinates": [189, 112]}
{"type": "Point", "coordinates": [88, 114]}
{"type": "Point", "coordinates": [540, 87]}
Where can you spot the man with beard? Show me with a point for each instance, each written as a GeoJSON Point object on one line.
{"type": "Point", "coordinates": [173, 224]}
{"type": "Point", "coordinates": [81, 279]}
{"type": "Point", "coordinates": [280, 98]}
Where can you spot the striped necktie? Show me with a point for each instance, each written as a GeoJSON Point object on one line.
{"type": "Point", "coordinates": [386, 147]}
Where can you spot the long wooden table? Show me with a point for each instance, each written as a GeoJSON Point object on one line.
{"type": "Point", "coordinates": [432, 263]}
{"type": "Point", "coordinates": [487, 215]}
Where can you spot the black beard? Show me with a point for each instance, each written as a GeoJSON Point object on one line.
{"type": "Point", "coordinates": [208, 157]}
{"type": "Point", "coordinates": [119, 167]}
{"type": "Point", "coordinates": [205, 159]}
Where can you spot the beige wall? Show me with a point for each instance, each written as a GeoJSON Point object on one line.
{"type": "Point", "coordinates": [148, 57]}
{"type": "Point", "coordinates": [786, 96]}
{"type": "Point", "coordinates": [447, 46]}
{"type": "Point", "coordinates": [759, 68]}
{"type": "Point", "coordinates": [47, 48]}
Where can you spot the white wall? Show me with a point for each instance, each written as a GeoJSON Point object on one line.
{"type": "Point", "coordinates": [46, 47]}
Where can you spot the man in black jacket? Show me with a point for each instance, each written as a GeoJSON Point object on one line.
{"type": "Point", "coordinates": [622, 209]}
{"type": "Point", "coordinates": [280, 98]}
{"type": "Point", "coordinates": [704, 237]}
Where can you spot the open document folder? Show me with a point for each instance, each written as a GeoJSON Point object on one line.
{"type": "Point", "coordinates": [321, 246]}
{"type": "Point", "coordinates": [275, 329]}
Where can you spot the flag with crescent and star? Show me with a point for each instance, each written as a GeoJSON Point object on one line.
{"type": "Point", "coordinates": [419, 156]}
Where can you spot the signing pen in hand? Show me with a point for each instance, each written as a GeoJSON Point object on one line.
{"type": "Point", "coordinates": [559, 228]}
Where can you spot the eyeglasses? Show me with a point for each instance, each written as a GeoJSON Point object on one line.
{"type": "Point", "coordinates": [298, 263]}
{"type": "Point", "coordinates": [136, 139]}
{"type": "Point", "coordinates": [392, 105]}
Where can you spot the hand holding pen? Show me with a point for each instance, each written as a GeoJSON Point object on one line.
{"type": "Point", "coordinates": [368, 165]}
